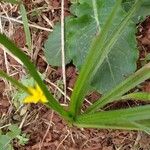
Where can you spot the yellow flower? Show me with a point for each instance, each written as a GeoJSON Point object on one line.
{"type": "Point", "coordinates": [36, 96]}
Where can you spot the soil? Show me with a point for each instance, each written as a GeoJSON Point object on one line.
{"type": "Point", "coordinates": [44, 128]}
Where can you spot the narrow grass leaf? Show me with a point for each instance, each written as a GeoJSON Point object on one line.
{"type": "Point", "coordinates": [14, 81]}
{"type": "Point", "coordinates": [121, 119]}
{"type": "Point", "coordinates": [33, 72]}
{"type": "Point", "coordinates": [120, 124]}
{"type": "Point", "coordinates": [12, 1]}
{"type": "Point", "coordinates": [26, 26]}
{"type": "Point", "coordinates": [114, 37]}
{"type": "Point", "coordinates": [96, 51]}
{"type": "Point", "coordinates": [144, 96]}
{"type": "Point", "coordinates": [143, 127]}
{"type": "Point", "coordinates": [132, 81]}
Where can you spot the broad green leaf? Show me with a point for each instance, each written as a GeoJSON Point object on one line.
{"type": "Point", "coordinates": [98, 52]}
{"type": "Point", "coordinates": [142, 13]}
{"type": "Point", "coordinates": [5, 143]}
{"type": "Point", "coordinates": [14, 131]}
{"type": "Point", "coordinates": [6, 140]}
{"type": "Point", "coordinates": [53, 47]}
{"type": "Point", "coordinates": [123, 119]}
{"type": "Point", "coordinates": [119, 64]}
{"type": "Point", "coordinates": [121, 61]}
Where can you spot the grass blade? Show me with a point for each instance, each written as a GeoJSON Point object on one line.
{"type": "Point", "coordinates": [14, 81]}
{"type": "Point", "coordinates": [96, 56]}
{"type": "Point", "coordinates": [12, 1]}
{"type": "Point", "coordinates": [117, 119]}
{"type": "Point", "coordinates": [85, 75]}
{"type": "Point", "coordinates": [26, 26]}
{"type": "Point", "coordinates": [33, 72]}
{"type": "Point", "coordinates": [142, 127]}
{"type": "Point", "coordinates": [144, 96]}
{"type": "Point", "coordinates": [132, 81]}
{"type": "Point", "coordinates": [119, 29]}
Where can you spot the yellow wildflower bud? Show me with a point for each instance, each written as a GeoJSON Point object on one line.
{"type": "Point", "coordinates": [36, 96]}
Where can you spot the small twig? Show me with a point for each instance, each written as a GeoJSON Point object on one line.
{"type": "Point", "coordinates": [6, 62]}
{"type": "Point", "coordinates": [8, 52]}
{"type": "Point", "coordinates": [5, 13]}
{"type": "Point", "coordinates": [54, 85]}
{"type": "Point", "coordinates": [63, 49]}
{"type": "Point", "coordinates": [71, 136]}
{"type": "Point", "coordinates": [23, 120]}
{"type": "Point", "coordinates": [5, 54]}
{"type": "Point", "coordinates": [84, 99]}
{"type": "Point", "coordinates": [47, 80]}
{"type": "Point", "coordinates": [138, 138]}
{"type": "Point", "coordinates": [96, 15]}
{"type": "Point", "coordinates": [30, 25]}
{"type": "Point", "coordinates": [49, 125]}
{"type": "Point", "coordinates": [7, 125]}
{"type": "Point", "coordinates": [47, 20]}
{"type": "Point", "coordinates": [34, 10]}
{"type": "Point", "coordinates": [62, 141]}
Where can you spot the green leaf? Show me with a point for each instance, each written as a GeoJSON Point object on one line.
{"type": "Point", "coordinates": [22, 139]}
{"type": "Point", "coordinates": [121, 61]}
{"type": "Point", "coordinates": [52, 102]}
{"type": "Point", "coordinates": [6, 140]}
{"type": "Point", "coordinates": [119, 64]}
{"type": "Point", "coordinates": [14, 82]}
{"type": "Point", "coordinates": [5, 143]}
{"type": "Point", "coordinates": [144, 96]}
{"type": "Point", "coordinates": [14, 131]}
{"type": "Point", "coordinates": [81, 30]}
{"type": "Point", "coordinates": [147, 58]}
{"type": "Point", "coordinates": [120, 119]}
{"type": "Point", "coordinates": [141, 13]}
{"type": "Point", "coordinates": [12, 1]}
{"type": "Point", "coordinates": [115, 94]}
{"type": "Point", "coordinates": [53, 47]}
{"type": "Point", "coordinates": [26, 26]}
{"type": "Point", "coordinates": [97, 54]}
